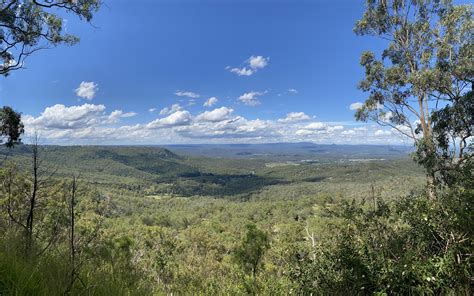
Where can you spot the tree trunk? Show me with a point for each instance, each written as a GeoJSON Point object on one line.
{"type": "Point", "coordinates": [425, 122]}
{"type": "Point", "coordinates": [34, 194]}
{"type": "Point", "coordinates": [430, 185]}
{"type": "Point", "coordinates": [72, 238]}
{"type": "Point", "coordinates": [30, 218]}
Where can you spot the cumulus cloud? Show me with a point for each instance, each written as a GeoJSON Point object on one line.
{"type": "Point", "coordinates": [294, 117]}
{"type": "Point", "coordinates": [188, 94]}
{"type": "Point", "coordinates": [215, 115]}
{"type": "Point", "coordinates": [177, 118]}
{"type": "Point", "coordinates": [356, 106]}
{"type": "Point", "coordinates": [292, 91]}
{"type": "Point", "coordinates": [87, 90]}
{"type": "Point", "coordinates": [172, 109]}
{"type": "Point", "coordinates": [349, 132]}
{"type": "Point", "coordinates": [234, 128]}
{"type": "Point", "coordinates": [316, 126]}
{"type": "Point", "coordinates": [251, 98]}
{"type": "Point", "coordinates": [241, 71]}
{"type": "Point", "coordinates": [304, 132]}
{"type": "Point", "coordinates": [92, 124]}
{"type": "Point", "coordinates": [210, 102]}
{"type": "Point", "coordinates": [116, 115]}
{"type": "Point", "coordinates": [382, 133]}
{"type": "Point", "coordinates": [62, 117]}
{"type": "Point", "coordinates": [252, 65]}
{"type": "Point", "coordinates": [258, 62]}
{"type": "Point", "coordinates": [151, 110]}
{"type": "Point", "coordinates": [335, 128]}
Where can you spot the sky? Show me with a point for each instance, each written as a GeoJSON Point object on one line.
{"type": "Point", "coordinates": [201, 71]}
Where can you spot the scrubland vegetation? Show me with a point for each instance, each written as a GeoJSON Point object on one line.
{"type": "Point", "coordinates": [153, 221]}
{"type": "Point", "coordinates": [198, 227]}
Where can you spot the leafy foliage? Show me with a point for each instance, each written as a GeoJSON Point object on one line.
{"type": "Point", "coordinates": [249, 255]}
{"type": "Point", "coordinates": [31, 25]}
{"type": "Point", "coordinates": [11, 126]}
{"type": "Point", "coordinates": [409, 246]}
{"type": "Point", "coordinates": [427, 63]}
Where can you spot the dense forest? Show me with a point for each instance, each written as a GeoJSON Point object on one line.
{"type": "Point", "coordinates": [273, 219]}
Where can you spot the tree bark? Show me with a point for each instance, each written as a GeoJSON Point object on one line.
{"type": "Point", "coordinates": [72, 238]}
{"type": "Point", "coordinates": [33, 197]}
{"type": "Point", "coordinates": [428, 141]}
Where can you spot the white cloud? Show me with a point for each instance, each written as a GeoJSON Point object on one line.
{"type": "Point", "coordinates": [318, 129]}
{"type": "Point", "coordinates": [151, 110]}
{"type": "Point", "coordinates": [62, 117]}
{"type": "Point", "coordinates": [178, 118]}
{"type": "Point", "coordinates": [316, 126]}
{"type": "Point", "coordinates": [87, 90]}
{"type": "Point", "coordinates": [294, 117]}
{"type": "Point", "coordinates": [91, 124]}
{"type": "Point", "coordinates": [188, 94]}
{"type": "Point", "coordinates": [335, 128]}
{"type": "Point", "coordinates": [215, 115]}
{"type": "Point", "coordinates": [116, 115]}
{"type": "Point", "coordinates": [356, 106]}
{"type": "Point", "coordinates": [172, 109]}
{"type": "Point", "coordinates": [349, 133]}
{"type": "Point", "coordinates": [253, 64]}
{"type": "Point", "coordinates": [241, 71]}
{"type": "Point", "coordinates": [382, 133]}
{"type": "Point", "coordinates": [58, 119]}
{"type": "Point", "coordinates": [251, 98]}
{"type": "Point", "coordinates": [304, 132]}
{"type": "Point", "coordinates": [230, 129]}
{"type": "Point", "coordinates": [258, 62]}
{"type": "Point", "coordinates": [292, 90]}
{"type": "Point", "coordinates": [210, 102]}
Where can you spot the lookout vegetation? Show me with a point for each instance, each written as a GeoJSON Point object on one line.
{"type": "Point", "coordinates": [82, 232]}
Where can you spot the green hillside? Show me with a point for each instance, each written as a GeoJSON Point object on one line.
{"type": "Point", "coordinates": [155, 170]}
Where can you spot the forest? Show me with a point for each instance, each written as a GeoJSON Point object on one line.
{"type": "Point", "coordinates": [255, 219]}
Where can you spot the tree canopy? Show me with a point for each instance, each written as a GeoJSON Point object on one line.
{"type": "Point", "coordinates": [11, 126]}
{"type": "Point", "coordinates": [426, 66]}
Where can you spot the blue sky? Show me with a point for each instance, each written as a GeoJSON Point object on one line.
{"type": "Point", "coordinates": [301, 61]}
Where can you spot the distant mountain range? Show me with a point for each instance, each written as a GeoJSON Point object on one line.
{"type": "Point", "coordinates": [293, 151]}
{"type": "Point", "coordinates": [273, 151]}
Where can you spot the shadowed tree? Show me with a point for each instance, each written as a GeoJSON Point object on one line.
{"type": "Point", "coordinates": [11, 127]}
{"type": "Point", "coordinates": [427, 65]}
{"type": "Point", "coordinates": [250, 254]}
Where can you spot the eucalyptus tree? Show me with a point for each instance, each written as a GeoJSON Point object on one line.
{"type": "Point", "coordinates": [27, 26]}
{"type": "Point", "coordinates": [427, 65]}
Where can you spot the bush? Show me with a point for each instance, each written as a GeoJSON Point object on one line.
{"type": "Point", "coordinates": [414, 245]}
